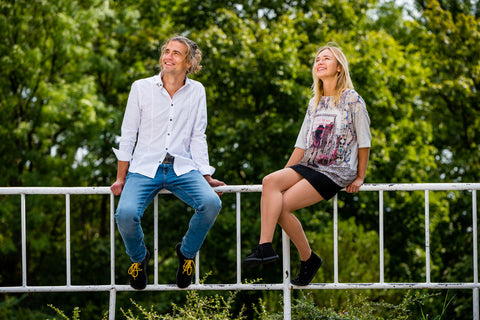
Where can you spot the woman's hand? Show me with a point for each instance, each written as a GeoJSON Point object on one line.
{"type": "Point", "coordinates": [354, 186]}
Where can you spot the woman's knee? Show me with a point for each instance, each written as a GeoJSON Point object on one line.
{"type": "Point", "coordinates": [269, 180]}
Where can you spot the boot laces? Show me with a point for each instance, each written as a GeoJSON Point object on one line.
{"type": "Point", "coordinates": [134, 269]}
{"type": "Point", "coordinates": [188, 266]}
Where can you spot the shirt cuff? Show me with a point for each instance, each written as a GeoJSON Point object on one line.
{"type": "Point", "coordinates": [207, 170]}
{"type": "Point", "coordinates": [122, 155]}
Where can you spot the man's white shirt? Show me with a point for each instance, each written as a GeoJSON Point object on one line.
{"type": "Point", "coordinates": [155, 123]}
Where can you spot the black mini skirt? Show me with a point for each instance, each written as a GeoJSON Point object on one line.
{"type": "Point", "coordinates": [323, 184]}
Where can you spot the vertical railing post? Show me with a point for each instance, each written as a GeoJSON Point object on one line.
{"type": "Point", "coordinates": [197, 268]}
{"type": "Point", "coordinates": [427, 236]}
{"type": "Point", "coordinates": [475, 304]}
{"type": "Point", "coordinates": [112, 304]}
{"type": "Point", "coordinates": [287, 287]}
{"type": "Point", "coordinates": [475, 299]}
{"type": "Point", "coordinates": [155, 240]}
{"type": "Point", "coordinates": [24, 239]}
{"type": "Point", "coordinates": [67, 239]}
{"type": "Point", "coordinates": [381, 236]}
{"type": "Point", "coordinates": [113, 293]}
{"type": "Point", "coordinates": [335, 239]}
{"type": "Point", "coordinates": [239, 236]}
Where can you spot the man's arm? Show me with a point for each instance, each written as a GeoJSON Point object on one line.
{"type": "Point", "coordinates": [122, 169]}
{"type": "Point", "coordinates": [213, 182]}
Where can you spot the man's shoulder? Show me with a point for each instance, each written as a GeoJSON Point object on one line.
{"type": "Point", "coordinates": [140, 85]}
{"type": "Point", "coordinates": [195, 84]}
{"type": "Point", "coordinates": [148, 80]}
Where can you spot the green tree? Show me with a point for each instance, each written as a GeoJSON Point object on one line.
{"type": "Point", "coordinates": [448, 35]}
{"type": "Point", "coordinates": [66, 72]}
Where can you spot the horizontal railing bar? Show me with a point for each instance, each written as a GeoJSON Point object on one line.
{"type": "Point", "coordinates": [243, 287]}
{"type": "Point", "coordinates": [420, 186]}
{"type": "Point", "coordinates": [246, 188]}
{"type": "Point", "coordinates": [55, 190]}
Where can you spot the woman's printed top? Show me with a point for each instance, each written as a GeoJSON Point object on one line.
{"type": "Point", "coordinates": [331, 135]}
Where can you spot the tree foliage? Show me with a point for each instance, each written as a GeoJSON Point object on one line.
{"type": "Point", "coordinates": [67, 67]}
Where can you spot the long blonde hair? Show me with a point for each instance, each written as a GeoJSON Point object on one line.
{"type": "Point", "coordinates": [343, 80]}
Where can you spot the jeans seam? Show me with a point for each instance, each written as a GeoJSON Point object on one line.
{"type": "Point", "coordinates": [171, 187]}
{"type": "Point", "coordinates": [144, 207]}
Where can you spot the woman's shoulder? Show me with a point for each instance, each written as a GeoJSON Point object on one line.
{"type": "Point", "coordinates": [311, 105]}
{"type": "Point", "coordinates": [350, 93]}
{"type": "Point", "coordinates": [351, 96]}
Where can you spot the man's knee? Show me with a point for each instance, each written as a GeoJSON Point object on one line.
{"type": "Point", "coordinates": [212, 204]}
{"type": "Point", "coordinates": [126, 215]}
{"type": "Point", "coordinates": [215, 203]}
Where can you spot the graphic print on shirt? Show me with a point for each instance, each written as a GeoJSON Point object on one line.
{"type": "Point", "coordinates": [321, 143]}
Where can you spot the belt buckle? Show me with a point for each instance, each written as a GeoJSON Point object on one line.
{"type": "Point", "coordinates": [168, 159]}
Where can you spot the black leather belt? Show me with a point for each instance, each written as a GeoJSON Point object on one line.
{"type": "Point", "coordinates": [169, 159]}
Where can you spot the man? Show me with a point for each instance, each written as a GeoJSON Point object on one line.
{"type": "Point", "coordinates": [165, 121]}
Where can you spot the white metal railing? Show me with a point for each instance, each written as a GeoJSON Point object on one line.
{"type": "Point", "coordinates": [286, 286]}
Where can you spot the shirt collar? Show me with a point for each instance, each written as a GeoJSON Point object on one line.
{"type": "Point", "coordinates": [158, 80]}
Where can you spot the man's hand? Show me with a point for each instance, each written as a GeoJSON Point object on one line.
{"type": "Point", "coordinates": [214, 183]}
{"type": "Point", "coordinates": [117, 187]}
{"type": "Point", "coordinates": [354, 186]}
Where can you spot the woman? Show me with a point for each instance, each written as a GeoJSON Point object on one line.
{"type": "Point", "coordinates": [331, 153]}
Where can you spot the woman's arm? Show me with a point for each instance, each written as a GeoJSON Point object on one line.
{"type": "Point", "coordinates": [363, 154]}
{"type": "Point", "coordinates": [295, 158]}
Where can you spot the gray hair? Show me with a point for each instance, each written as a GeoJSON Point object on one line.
{"type": "Point", "coordinates": [193, 55]}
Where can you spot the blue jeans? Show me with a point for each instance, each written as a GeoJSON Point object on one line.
{"type": "Point", "coordinates": [139, 191]}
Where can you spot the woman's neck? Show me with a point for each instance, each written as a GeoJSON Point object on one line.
{"type": "Point", "coordinates": [329, 88]}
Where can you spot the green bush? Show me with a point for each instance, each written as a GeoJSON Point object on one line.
{"type": "Point", "coordinates": [204, 307]}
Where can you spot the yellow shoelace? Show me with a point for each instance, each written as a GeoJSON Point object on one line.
{"type": "Point", "coordinates": [188, 267]}
{"type": "Point", "coordinates": [134, 269]}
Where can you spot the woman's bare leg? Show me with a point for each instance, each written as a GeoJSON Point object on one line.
{"type": "Point", "coordinates": [273, 186]}
{"type": "Point", "coordinates": [300, 195]}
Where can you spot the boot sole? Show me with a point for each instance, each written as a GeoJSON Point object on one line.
{"type": "Point", "coordinates": [249, 263]}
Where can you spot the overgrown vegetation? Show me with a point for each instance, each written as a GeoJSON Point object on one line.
{"type": "Point", "coordinates": [66, 71]}
{"type": "Point", "coordinates": [204, 307]}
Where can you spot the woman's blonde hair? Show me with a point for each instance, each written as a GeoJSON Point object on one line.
{"type": "Point", "coordinates": [344, 81]}
{"type": "Point", "coordinates": [193, 55]}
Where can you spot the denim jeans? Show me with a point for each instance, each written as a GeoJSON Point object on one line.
{"type": "Point", "coordinates": [139, 191]}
